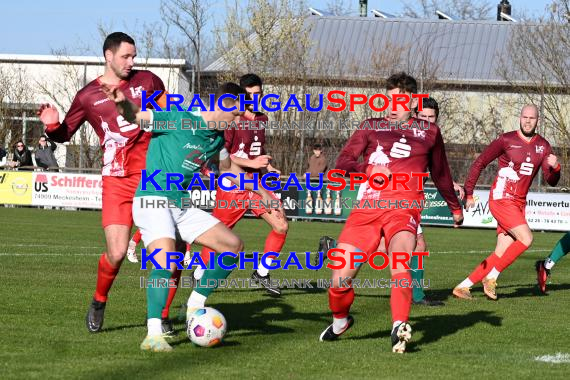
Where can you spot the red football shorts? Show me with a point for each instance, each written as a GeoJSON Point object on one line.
{"type": "Point", "coordinates": [118, 194]}
{"type": "Point", "coordinates": [365, 227]}
{"type": "Point", "coordinates": [231, 215]}
{"type": "Point", "coordinates": [508, 214]}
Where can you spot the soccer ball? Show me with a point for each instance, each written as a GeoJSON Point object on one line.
{"type": "Point", "coordinates": [206, 327]}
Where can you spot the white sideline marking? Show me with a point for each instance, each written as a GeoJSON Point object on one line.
{"type": "Point", "coordinates": [48, 246]}
{"type": "Point", "coordinates": [49, 254]}
{"type": "Point", "coordinates": [99, 254]}
{"type": "Point", "coordinates": [558, 358]}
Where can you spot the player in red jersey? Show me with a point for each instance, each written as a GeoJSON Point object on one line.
{"type": "Point", "coordinates": [124, 152]}
{"type": "Point", "coordinates": [246, 148]}
{"type": "Point", "coordinates": [521, 153]}
{"type": "Point", "coordinates": [388, 150]}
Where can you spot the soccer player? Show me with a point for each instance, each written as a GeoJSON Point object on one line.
{"type": "Point", "coordinates": [521, 153]}
{"type": "Point", "coordinates": [124, 149]}
{"type": "Point", "coordinates": [430, 113]}
{"type": "Point", "coordinates": [543, 267]}
{"type": "Point", "coordinates": [167, 325]}
{"type": "Point", "coordinates": [246, 148]}
{"type": "Point", "coordinates": [388, 149]}
{"type": "Point", "coordinates": [183, 151]}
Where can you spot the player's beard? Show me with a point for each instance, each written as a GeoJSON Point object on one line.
{"type": "Point", "coordinates": [118, 72]}
{"type": "Point", "coordinates": [528, 134]}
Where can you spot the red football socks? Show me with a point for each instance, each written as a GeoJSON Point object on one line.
{"type": "Point", "coordinates": [106, 274]}
{"type": "Point", "coordinates": [274, 242]}
{"type": "Point", "coordinates": [340, 300]}
{"type": "Point", "coordinates": [484, 268]}
{"type": "Point", "coordinates": [401, 297]}
{"type": "Point", "coordinates": [515, 250]}
{"type": "Point", "coordinates": [171, 292]}
{"type": "Point", "coordinates": [137, 236]}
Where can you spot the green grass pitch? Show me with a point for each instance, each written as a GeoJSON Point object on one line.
{"type": "Point", "coordinates": [48, 270]}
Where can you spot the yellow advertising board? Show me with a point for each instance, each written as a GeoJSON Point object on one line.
{"type": "Point", "coordinates": [16, 187]}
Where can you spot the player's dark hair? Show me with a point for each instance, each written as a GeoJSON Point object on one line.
{"type": "Point", "coordinates": [250, 80]}
{"type": "Point", "coordinates": [431, 103]}
{"type": "Point", "coordinates": [403, 81]}
{"type": "Point", "coordinates": [229, 88]}
{"type": "Point", "coordinates": [114, 40]}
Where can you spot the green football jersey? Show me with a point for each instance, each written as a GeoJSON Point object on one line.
{"type": "Point", "coordinates": [183, 146]}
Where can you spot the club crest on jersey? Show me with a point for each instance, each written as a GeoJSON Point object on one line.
{"type": "Point", "coordinates": [136, 92]}
{"type": "Point", "coordinates": [419, 133]}
{"type": "Point", "coordinates": [539, 148]}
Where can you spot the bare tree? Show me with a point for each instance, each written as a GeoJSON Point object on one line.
{"type": "Point", "coordinates": [537, 65]}
{"type": "Point", "coordinates": [190, 18]}
{"type": "Point", "coordinates": [339, 7]}
{"type": "Point", "coordinates": [61, 91]}
{"type": "Point", "coordinates": [463, 9]}
{"type": "Point", "coordinates": [16, 94]}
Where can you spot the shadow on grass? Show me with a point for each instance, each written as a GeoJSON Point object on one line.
{"type": "Point", "coordinates": [529, 290]}
{"type": "Point", "coordinates": [261, 317]}
{"type": "Point", "coordinates": [123, 327]}
{"type": "Point", "coordinates": [435, 327]}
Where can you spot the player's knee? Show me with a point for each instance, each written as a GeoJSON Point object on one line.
{"type": "Point", "coordinates": [234, 244]}
{"type": "Point", "coordinates": [281, 227]}
{"type": "Point", "coordinates": [526, 239]}
{"type": "Point", "coordinates": [115, 256]}
{"type": "Point", "coordinates": [421, 245]}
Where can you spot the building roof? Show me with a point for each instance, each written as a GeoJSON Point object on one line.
{"type": "Point", "coordinates": [80, 60]}
{"type": "Point", "coordinates": [466, 51]}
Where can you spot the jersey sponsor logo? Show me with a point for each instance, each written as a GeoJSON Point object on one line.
{"type": "Point", "coordinates": [255, 148]}
{"type": "Point", "coordinates": [400, 149]}
{"type": "Point", "coordinates": [539, 148]}
{"type": "Point", "coordinates": [125, 126]}
{"type": "Point", "coordinates": [100, 101]}
{"type": "Point", "coordinates": [526, 168]}
{"type": "Point", "coordinates": [192, 146]}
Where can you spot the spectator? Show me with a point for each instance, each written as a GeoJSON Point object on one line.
{"type": "Point", "coordinates": [317, 162]}
{"type": "Point", "coordinates": [44, 154]}
{"type": "Point", "coordinates": [22, 157]}
{"type": "Point", "coordinates": [3, 157]}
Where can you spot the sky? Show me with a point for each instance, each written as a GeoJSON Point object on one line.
{"type": "Point", "coordinates": [36, 27]}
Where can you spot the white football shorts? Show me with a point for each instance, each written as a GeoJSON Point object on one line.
{"type": "Point", "coordinates": [163, 222]}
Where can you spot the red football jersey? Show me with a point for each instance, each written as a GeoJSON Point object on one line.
{"type": "Point", "coordinates": [519, 161]}
{"type": "Point", "coordinates": [124, 144]}
{"type": "Point", "coordinates": [249, 140]}
{"type": "Point", "coordinates": [402, 150]}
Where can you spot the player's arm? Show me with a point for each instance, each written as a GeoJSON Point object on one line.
{"type": "Point", "coordinates": [551, 168]}
{"type": "Point", "coordinates": [129, 110]}
{"type": "Point", "coordinates": [64, 131]}
{"type": "Point", "coordinates": [227, 165]}
{"type": "Point", "coordinates": [494, 150]}
{"type": "Point", "coordinates": [352, 150]}
{"type": "Point", "coordinates": [258, 162]}
{"type": "Point", "coordinates": [441, 176]}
